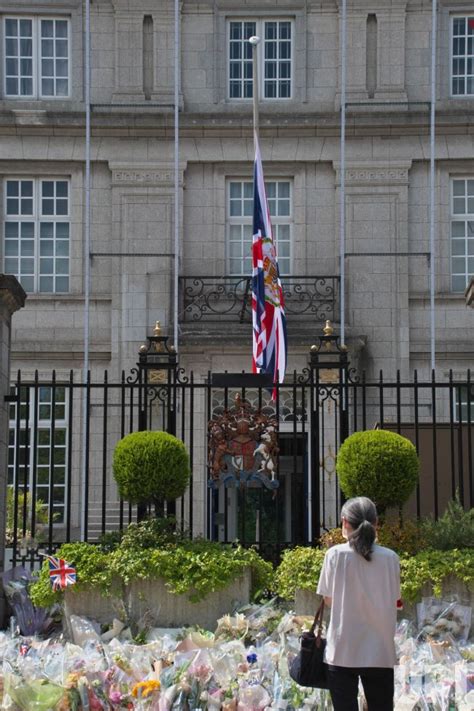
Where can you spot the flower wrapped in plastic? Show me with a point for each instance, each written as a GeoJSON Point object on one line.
{"type": "Point", "coordinates": [437, 618]}
{"type": "Point", "coordinates": [32, 694]}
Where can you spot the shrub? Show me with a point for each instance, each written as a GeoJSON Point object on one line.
{"type": "Point", "coordinates": [409, 538]}
{"type": "Point", "coordinates": [151, 467]}
{"type": "Point", "coordinates": [153, 533]}
{"type": "Point", "coordinates": [454, 529]}
{"type": "Point", "coordinates": [299, 568]}
{"type": "Point", "coordinates": [41, 516]}
{"type": "Point", "coordinates": [331, 538]}
{"type": "Point", "coordinates": [434, 567]}
{"type": "Point", "coordinates": [92, 568]}
{"type": "Point", "coordinates": [196, 567]}
{"type": "Point", "coordinates": [381, 465]}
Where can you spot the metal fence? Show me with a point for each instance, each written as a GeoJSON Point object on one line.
{"type": "Point", "coordinates": [63, 434]}
{"type": "Point", "coordinates": [229, 298]}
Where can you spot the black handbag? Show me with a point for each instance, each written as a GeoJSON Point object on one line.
{"type": "Point", "coordinates": [308, 668]}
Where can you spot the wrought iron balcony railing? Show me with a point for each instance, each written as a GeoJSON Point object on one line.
{"type": "Point", "coordinates": [229, 298]}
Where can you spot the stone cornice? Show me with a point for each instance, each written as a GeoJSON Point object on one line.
{"type": "Point", "coordinates": [231, 121]}
{"type": "Point", "coordinates": [134, 7]}
{"type": "Point", "coordinates": [12, 294]}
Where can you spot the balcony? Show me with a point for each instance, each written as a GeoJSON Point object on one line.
{"type": "Point", "coordinates": [207, 299]}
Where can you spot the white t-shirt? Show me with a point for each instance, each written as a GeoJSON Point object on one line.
{"type": "Point", "coordinates": [363, 610]}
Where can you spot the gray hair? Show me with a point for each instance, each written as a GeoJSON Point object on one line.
{"type": "Point", "coordinates": [361, 514]}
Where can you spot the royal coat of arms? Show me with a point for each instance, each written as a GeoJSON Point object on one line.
{"type": "Point", "coordinates": [243, 447]}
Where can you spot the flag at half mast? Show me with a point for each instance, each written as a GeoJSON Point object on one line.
{"type": "Point", "coordinates": [268, 308]}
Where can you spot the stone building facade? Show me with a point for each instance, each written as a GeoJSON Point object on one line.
{"type": "Point", "coordinates": [42, 165]}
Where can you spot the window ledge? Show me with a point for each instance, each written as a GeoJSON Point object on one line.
{"type": "Point", "coordinates": [66, 297]}
{"type": "Point", "coordinates": [443, 296]}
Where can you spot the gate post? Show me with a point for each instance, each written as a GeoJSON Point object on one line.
{"type": "Point", "coordinates": [157, 364]}
{"type": "Point", "coordinates": [12, 298]}
{"type": "Point", "coordinates": [329, 370]}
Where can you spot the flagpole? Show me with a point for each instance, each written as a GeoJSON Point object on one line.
{"type": "Point", "coordinates": [254, 41]}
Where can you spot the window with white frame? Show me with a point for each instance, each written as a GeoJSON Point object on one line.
{"type": "Point", "coordinates": [462, 55]}
{"type": "Point", "coordinates": [240, 218]}
{"type": "Point", "coordinates": [275, 56]}
{"type": "Point", "coordinates": [36, 233]}
{"type": "Point", "coordinates": [41, 470]}
{"type": "Point", "coordinates": [36, 57]}
{"type": "Point", "coordinates": [462, 233]}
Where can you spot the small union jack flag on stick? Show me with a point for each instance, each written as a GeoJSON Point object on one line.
{"type": "Point", "coordinates": [61, 573]}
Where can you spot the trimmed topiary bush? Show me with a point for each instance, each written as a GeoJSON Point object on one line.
{"type": "Point", "coordinates": [151, 467]}
{"type": "Point", "coordinates": [381, 465]}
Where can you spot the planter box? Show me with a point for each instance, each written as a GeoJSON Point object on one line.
{"type": "Point", "coordinates": [152, 598]}
{"type": "Point", "coordinates": [306, 602]}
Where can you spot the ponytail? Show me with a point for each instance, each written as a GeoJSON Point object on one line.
{"type": "Point", "coordinates": [362, 539]}
{"type": "Point", "coordinates": [361, 515]}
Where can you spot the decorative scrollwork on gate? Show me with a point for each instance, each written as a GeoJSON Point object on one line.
{"type": "Point", "coordinates": [292, 404]}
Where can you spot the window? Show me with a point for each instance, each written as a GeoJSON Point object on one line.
{"type": "Point", "coordinates": [464, 404]}
{"type": "Point", "coordinates": [240, 217]}
{"type": "Point", "coordinates": [36, 57]}
{"type": "Point", "coordinates": [462, 234]}
{"type": "Point", "coordinates": [49, 470]}
{"type": "Point", "coordinates": [462, 57]}
{"type": "Point", "coordinates": [36, 243]}
{"type": "Point", "coordinates": [274, 54]}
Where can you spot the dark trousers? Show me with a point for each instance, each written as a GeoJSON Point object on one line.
{"type": "Point", "coordinates": [377, 682]}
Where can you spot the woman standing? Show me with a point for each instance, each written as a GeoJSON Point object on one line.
{"type": "Point", "coordinates": [360, 581]}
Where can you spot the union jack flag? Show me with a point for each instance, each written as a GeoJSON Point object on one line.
{"type": "Point", "coordinates": [61, 574]}
{"type": "Point", "coordinates": [268, 307]}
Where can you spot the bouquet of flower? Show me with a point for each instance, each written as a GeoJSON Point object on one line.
{"type": "Point", "coordinates": [32, 694]}
{"type": "Point", "coordinates": [437, 618]}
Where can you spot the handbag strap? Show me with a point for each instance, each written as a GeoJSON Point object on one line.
{"type": "Point", "coordinates": [318, 620]}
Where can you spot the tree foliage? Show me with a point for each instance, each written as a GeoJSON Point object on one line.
{"type": "Point", "coordinates": [151, 467]}
{"type": "Point", "coordinates": [379, 464]}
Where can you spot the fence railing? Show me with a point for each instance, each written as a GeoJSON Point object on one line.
{"type": "Point", "coordinates": [229, 298]}
{"type": "Point", "coordinates": [63, 434]}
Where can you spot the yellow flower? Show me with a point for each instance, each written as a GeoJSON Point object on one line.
{"type": "Point", "coordinates": [145, 688]}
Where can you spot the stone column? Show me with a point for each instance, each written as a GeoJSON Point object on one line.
{"type": "Point", "coordinates": [391, 52]}
{"type": "Point", "coordinates": [377, 262]}
{"type": "Point", "coordinates": [143, 236]}
{"type": "Point", "coordinates": [389, 67]}
{"type": "Point", "coordinates": [12, 298]}
{"type": "Point", "coordinates": [129, 50]}
{"type": "Point", "coordinates": [128, 57]}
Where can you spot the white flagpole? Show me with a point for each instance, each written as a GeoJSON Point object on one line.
{"type": "Point", "coordinates": [342, 193]}
{"type": "Point", "coordinates": [432, 188]}
{"type": "Point", "coordinates": [254, 41]}
{"type": "Point", "coordinates": [176, 176]}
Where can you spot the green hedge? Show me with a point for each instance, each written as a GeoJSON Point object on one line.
{"type": "Point", "coordinates": [196, 568]}
{"type": "Point", "coordinates": [300, 569]}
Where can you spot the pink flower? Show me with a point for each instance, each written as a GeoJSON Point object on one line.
{"type": "Point", "coordinates": [201, 672]}
{"type": "Point", "coordinates": [115, 697]}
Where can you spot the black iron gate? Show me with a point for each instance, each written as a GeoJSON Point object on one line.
{"type": "Point", "coordinates": [63, 433]}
